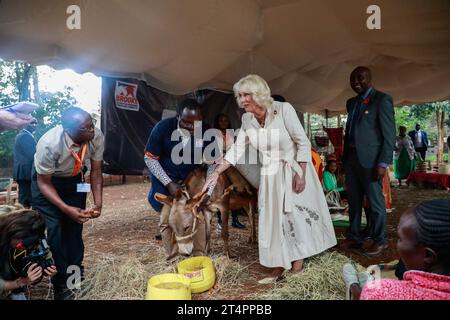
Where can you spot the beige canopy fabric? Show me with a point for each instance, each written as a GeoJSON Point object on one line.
{"type": "Point", "coordinates": [305, 49]}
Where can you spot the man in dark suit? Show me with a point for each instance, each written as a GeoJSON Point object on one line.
{"type": "Point", "coordinates": [24, 150]}
{"type": "Point", "coordinates": [420, 140]}
{"type": "Point", "coordinates": [368, 148]}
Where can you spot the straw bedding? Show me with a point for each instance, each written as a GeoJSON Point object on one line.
{"type": "Point", "coordinates": [321, 279]}
{"type": "Point", "coordinates": [115, 278]}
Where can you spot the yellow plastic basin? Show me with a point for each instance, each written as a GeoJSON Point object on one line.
{"type": "Point", "coordinates": [201, 272]}
{"type": "Point", "coordinates": [169, 286]}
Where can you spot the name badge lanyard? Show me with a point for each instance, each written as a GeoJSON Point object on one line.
{"type": "Point", "coordinates": [79, 158]}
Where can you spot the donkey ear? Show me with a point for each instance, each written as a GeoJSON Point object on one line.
{"type": "Point", "coordinates": [162, 198]}
{"type": "Point", "coordinates": [199, 195]}
{"type": "Point", "coordinates": [197, 199]}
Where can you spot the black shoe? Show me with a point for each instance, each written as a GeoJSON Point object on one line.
{"type": "Point", "coordinates": [365, 234]}
{"type": "Point", "coordinates": [376, 249]}
{"type": "Point", "coordinates": [158, 237]}
{"type": "Point", "coordinates": [349, 244]}
{"type": "Point", "coordinates": [236, 224]}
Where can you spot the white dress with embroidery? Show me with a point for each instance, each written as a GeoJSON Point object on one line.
{"type": "Point", "coordinates": [291, 225]}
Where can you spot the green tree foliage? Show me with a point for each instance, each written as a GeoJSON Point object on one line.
{"type": "Point", "coordinates": [53, 105]}
{"type": "Point", "coordinates": [14, 78]}
{"type": "Point", "coordinates": [9, 92]}
{"type": "Point", "coordinates": [438, 111]}
{"type": "Point", "coordinates": [424, 114]}
{"type": "Point", "coordinates": [6, 148]}
{"type": "Point", "coordinates": [403, 118]}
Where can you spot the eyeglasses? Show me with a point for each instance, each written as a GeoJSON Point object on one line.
{"type": "Point", "coordinates": [91, 127]}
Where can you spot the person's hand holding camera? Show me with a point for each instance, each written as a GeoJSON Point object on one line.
{"type": "Point", "coordinates": [34, 273]}
{"type": "Point", "coordinates": [50, 272]}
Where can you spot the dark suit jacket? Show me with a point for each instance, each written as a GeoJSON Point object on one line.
{"type": "Point", "coordinates": [374, 130]}
{"type": "Point", "coordinates": [412, 135]}
{"type": "Point", "coordinates": [24, 150]}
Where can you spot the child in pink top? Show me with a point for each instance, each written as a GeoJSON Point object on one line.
{"type": "Point", "coordinates": [416, 285]}
{"type": "Point", "coordinates": [424, 246]}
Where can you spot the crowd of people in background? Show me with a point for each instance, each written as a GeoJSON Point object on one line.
{"type": "Point", "coordinates": [407, 151]}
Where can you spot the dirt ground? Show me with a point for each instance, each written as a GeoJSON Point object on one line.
{"type": "Point", "coordinates": [128, 225]}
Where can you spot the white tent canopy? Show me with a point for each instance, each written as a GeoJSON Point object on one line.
{"type": "Point", "coordinates": [305, 49]}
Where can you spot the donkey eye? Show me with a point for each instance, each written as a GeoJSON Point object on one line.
{"type": "Point", "coordinates": [186, 229]}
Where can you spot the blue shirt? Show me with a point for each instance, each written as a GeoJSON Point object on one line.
{"type": "Point", "coordinates": [160, 146]}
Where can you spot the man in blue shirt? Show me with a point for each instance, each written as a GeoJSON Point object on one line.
{"type": "Point", "coordinates": [174, 149]}
{"type": "Point", "coordinates": [420, 140]}
{"type": "Point", "coordinates": [24, 150]}
{"type": "Point", "coordinates": [368, 149]}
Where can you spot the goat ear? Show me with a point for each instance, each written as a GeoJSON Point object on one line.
{"type": "Point", "coordinates": [162, 198]}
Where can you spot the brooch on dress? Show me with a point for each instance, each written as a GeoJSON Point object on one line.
{"type": "Point", "coordinates": [275, 112]}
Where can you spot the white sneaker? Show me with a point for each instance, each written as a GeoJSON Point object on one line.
{"type": "Point", "coordinates": [350, 277]}
{"type": "Point", "coordinates": [368, 275]}
{"type": "Point", "coordinates": [364, 277]}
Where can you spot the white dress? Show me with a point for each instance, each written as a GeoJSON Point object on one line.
{"type": "Point", "coordinates": [291, 226]}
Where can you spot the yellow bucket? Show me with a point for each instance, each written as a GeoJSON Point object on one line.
{"type": "Point", "coordinates": [201, 272]}
{"type": "Point", "coordinates": [169, 286]}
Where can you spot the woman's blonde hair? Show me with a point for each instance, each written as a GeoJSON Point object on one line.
{"type": "Point", "coordinates": [257, 87]}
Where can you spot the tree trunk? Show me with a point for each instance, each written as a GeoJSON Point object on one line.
{"type": "Point", "coordinates": [23, 80]}
{"type": "Point", "coordinates": [36, 94]}
{"type": "Point", "coordinates": [440, 115]}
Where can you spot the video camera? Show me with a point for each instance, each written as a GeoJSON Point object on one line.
{"type": "Point", "coordinates": [29, 251]}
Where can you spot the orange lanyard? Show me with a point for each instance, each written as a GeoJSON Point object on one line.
{"type": "Point", "coordinates": [79, 158]}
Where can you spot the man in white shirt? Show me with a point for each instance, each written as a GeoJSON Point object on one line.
{"type": "Point", "coordinates": [59, 190]}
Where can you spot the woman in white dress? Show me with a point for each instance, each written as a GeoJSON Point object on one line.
{"type": "Point", "coordinates": [294, 221]}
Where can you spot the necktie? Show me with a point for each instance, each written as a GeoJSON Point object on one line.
{"type": "Point", "coordinates": [355, 116]}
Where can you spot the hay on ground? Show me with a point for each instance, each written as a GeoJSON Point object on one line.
{"type": "Point", "coordinates": [321, 279]}
{"type": "Point", "coordinates": [115, 278]}
{"type": "Point", "coordinates": [230, 275]}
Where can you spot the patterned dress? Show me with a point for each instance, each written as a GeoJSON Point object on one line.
{"type": "Point", "coordinates": [291, 226]}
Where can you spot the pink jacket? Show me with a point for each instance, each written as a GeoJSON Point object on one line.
{"type": "Point", "coordinates": [416, 285]}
